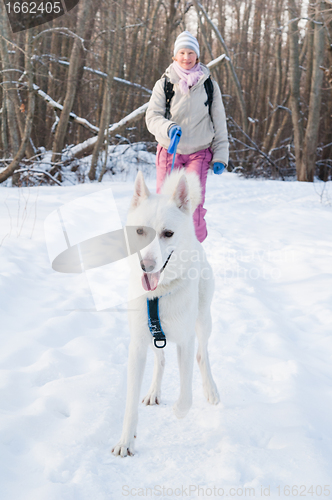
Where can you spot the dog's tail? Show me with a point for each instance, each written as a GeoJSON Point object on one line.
{"type": "Point", "coordinates": [194, 185]}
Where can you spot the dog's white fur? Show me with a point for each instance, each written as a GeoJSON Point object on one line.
{"type": "Point", "coordinates": [185, 290]}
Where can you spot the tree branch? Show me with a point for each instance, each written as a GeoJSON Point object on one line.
{"type": "Point", "coordinates": [257, 148]}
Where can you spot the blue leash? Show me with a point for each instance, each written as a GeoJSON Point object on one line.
{"type": "Point", "coordinates": [174, 145]}
{"type": "Point", "coordinates": [173, 160]}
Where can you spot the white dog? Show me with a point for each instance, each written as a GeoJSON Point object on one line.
{"type": "Point", "coordinates": [177, 272]}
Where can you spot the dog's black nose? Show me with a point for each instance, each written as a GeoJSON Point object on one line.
{"type": "Point", "coordinates": [148, 265]}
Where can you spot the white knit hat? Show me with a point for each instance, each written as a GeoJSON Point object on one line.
{"type": "Point", "coordinates": [186, 41]}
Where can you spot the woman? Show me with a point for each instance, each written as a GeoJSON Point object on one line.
{"type": "Point", "coordinates": [200, 129]}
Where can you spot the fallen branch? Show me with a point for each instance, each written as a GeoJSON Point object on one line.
{"type": "Point", "coordinates": [99, 73]}
{"type": "Point", "coordinates": [27, 169]}
{"type": "Point", "coordinates": [56, 105]}
{"type": "Point", "coordinates": [86, 146]}
{"type": "Point", "coordinates": [72, 116]}
{"type": "Point", "coordinates": [215, 62]}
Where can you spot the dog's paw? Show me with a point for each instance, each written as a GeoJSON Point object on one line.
{"type": "Point", "coordinates": [211, 393]}
{"type": "Point", "coordinates": [180, 409]}
{"type": "Point", "coordinates": [152, 398]}
{"type": "Point", "coordinates": [123, 449]}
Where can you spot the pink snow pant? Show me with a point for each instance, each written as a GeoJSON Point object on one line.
{"type": "Point", "coordinates": [195, 162]}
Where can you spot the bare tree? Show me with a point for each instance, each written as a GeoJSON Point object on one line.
{"type": "Point", "coordinates": [278, 7]}
{"type": "Point", "coordinates": [295, 75]}
{"type": "Point", "coordinates": [306, 140]}
{"type": "Point", "coordinates": [105, 114]}
{"type": "Point", "coordinates": [234, 76]}
{"type": "Point", "coordinates": [9, 75]}
{"type": "Point", "coordinates": [5, 174]}
{"type": "Point", "coordinates": [85, 8]}
{"type": "Point", "coordinates": [84, 84]}
{"type": "Point", "coordinates": [311, 135]}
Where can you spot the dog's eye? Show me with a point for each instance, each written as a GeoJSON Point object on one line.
{"type": "Point", "coordinates": [139, 231]}
{"type": "Point", "coordinates": [168, 234]}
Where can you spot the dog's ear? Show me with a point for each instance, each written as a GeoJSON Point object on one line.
{"type": "Point", "coordinates": [141, 191]}
{"type": "Point", "coordinates": [181, 195]}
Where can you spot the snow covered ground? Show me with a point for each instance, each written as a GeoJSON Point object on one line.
{"type": "Point", "coordinates": [63, 365]}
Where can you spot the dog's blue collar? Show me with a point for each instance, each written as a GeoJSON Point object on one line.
{"type": "Point", "coordinates": [154, 322]}
{"type": "Point", "coordinates": [153, 316]}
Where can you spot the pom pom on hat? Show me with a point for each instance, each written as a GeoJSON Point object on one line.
{"type": "Point", "coordinates": [186, 41]}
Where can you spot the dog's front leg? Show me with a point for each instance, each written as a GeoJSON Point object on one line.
{"type": "Point", "coordinates": [136, 364]}
{"type": "Point", "coordinates": [153, 396]}
{"type": "Point", "coordinates": [185, 353]}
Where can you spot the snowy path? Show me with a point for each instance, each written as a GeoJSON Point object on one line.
{"type": "Point", "coordinates": [63, 366]}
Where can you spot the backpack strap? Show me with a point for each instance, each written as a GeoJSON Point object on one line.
{"type": "Point", "coordinates": [208, 85]}
{"type": "Point", "coordinates": [169, 92]}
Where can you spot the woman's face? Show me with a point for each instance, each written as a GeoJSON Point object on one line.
{"type": "Point", "coordinates": [186, 58]}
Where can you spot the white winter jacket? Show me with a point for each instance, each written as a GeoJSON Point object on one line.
{"type": "Point", "coordinates": [190, 113]}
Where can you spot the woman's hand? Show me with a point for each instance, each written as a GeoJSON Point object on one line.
{"type": "Point", "coordinates": [174, 133]}
{"type": "Point", "coordinates": [218, 167]}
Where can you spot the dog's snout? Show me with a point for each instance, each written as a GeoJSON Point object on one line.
{"type": "Point", "coordinates": [148, 265]}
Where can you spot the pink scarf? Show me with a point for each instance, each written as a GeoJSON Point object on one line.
{"type": "Point", "coordinates": [188, 77]}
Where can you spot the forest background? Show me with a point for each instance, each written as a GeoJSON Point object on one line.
{"type": "Point", "coordinates": [80, 83]}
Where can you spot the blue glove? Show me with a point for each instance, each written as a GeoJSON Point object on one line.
{"type": "Point", "coordinates": [218, 167]}
{"type": "Point", "coordinates": [174, 134]}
